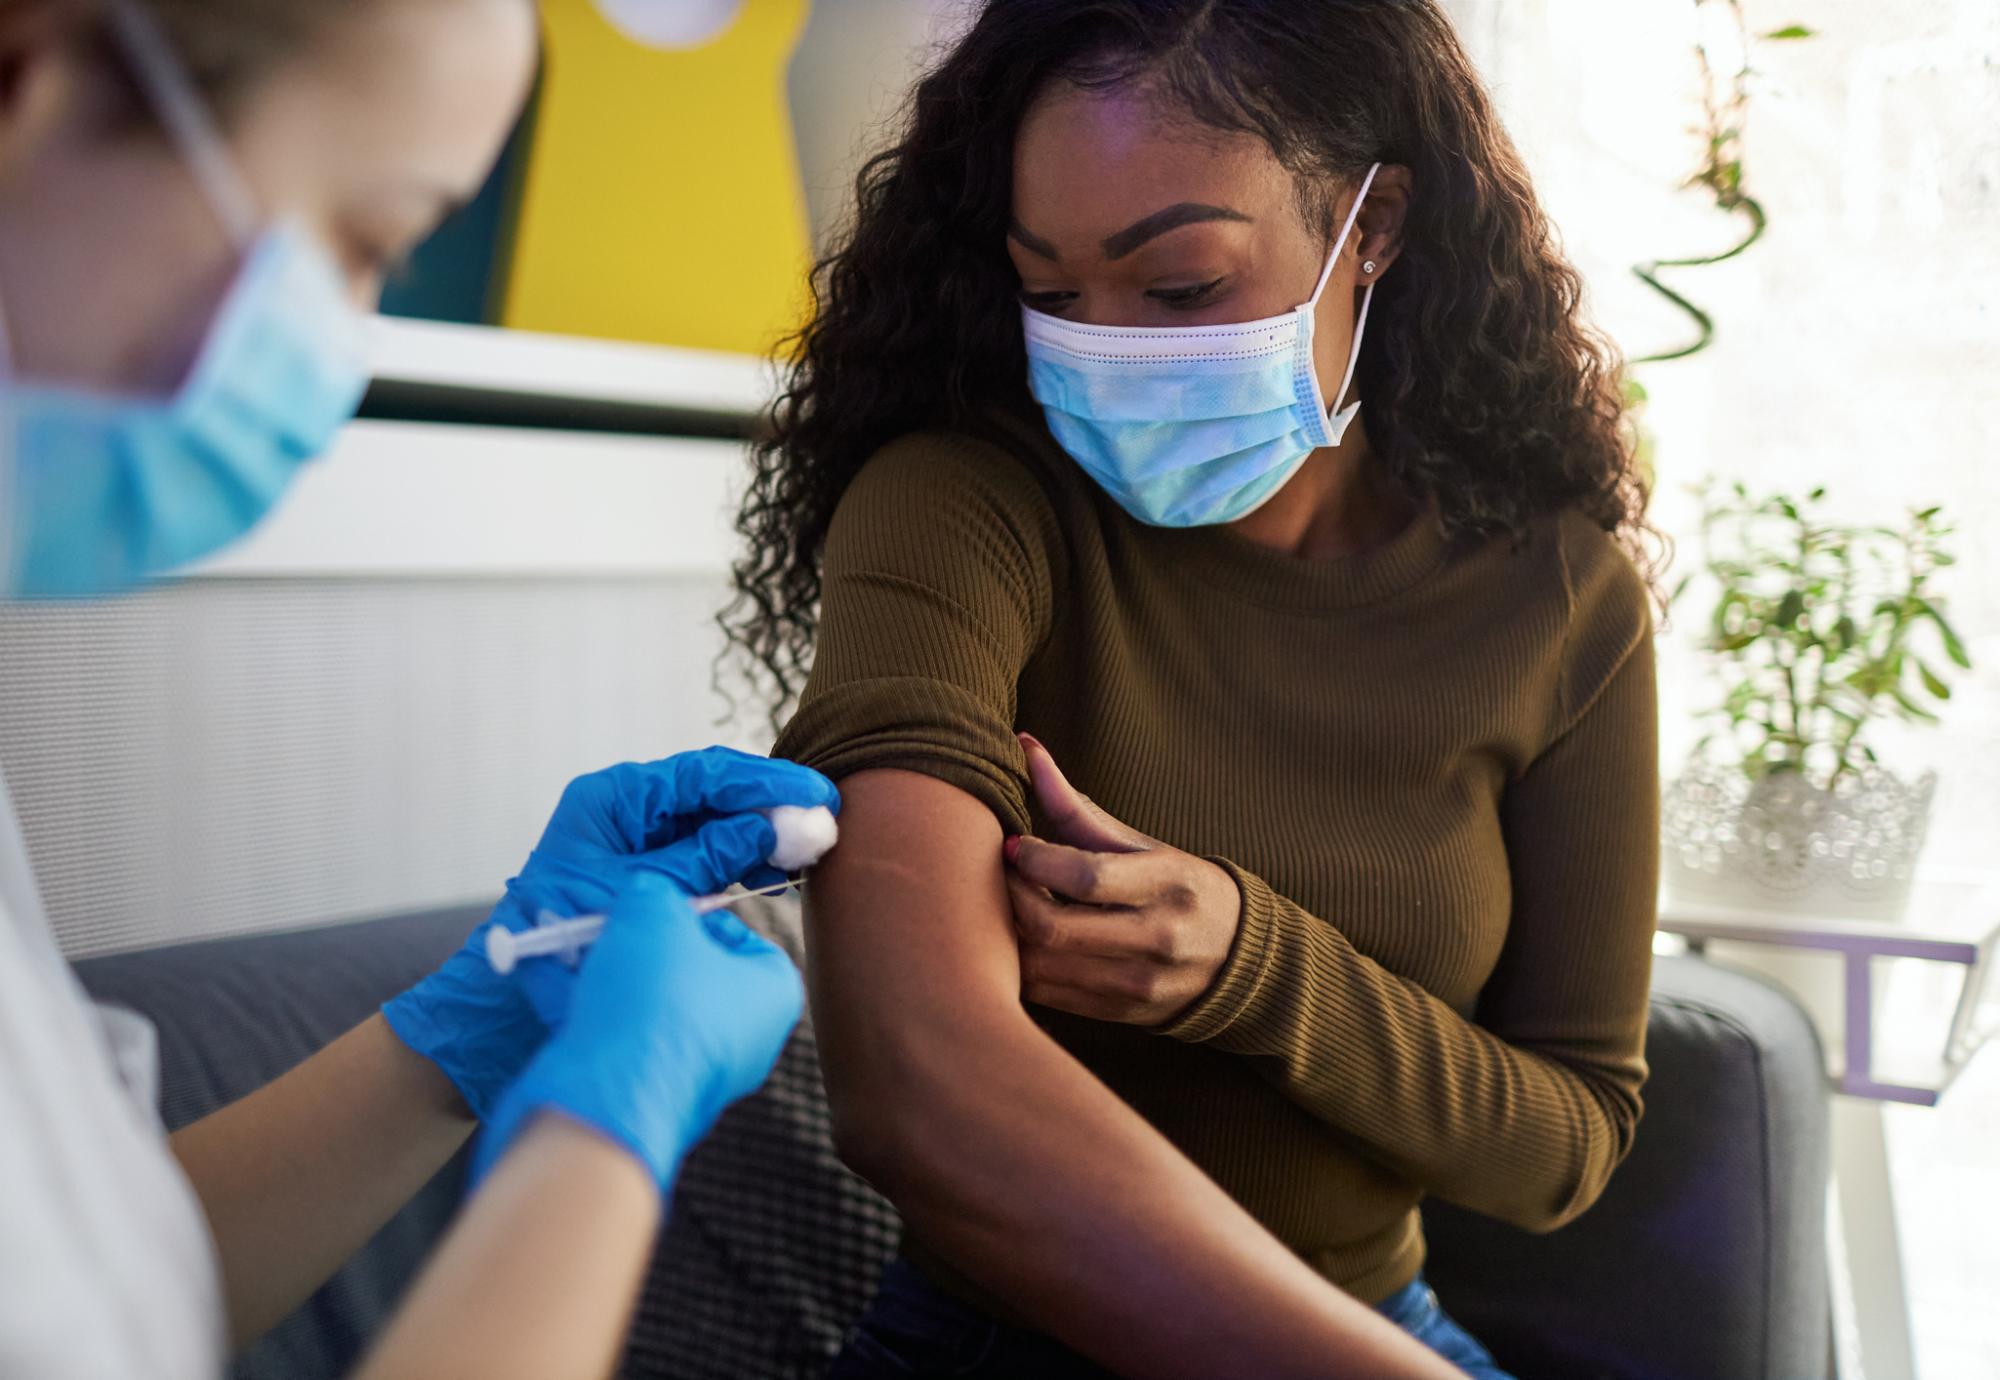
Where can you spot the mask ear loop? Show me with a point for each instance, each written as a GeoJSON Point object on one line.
{"type": "Point", "coordinates": [1367, 293]}
{"type": "Point", "coordinates": [186, 118]}
{"type": "Point", "coordinates": [9, 439]}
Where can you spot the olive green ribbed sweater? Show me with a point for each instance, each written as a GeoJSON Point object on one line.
{"type": "Point", "coordinates": [1431, 769]}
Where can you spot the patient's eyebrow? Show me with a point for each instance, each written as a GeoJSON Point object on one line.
{"type": "Point", "coordinates": [1171, 218]}
{"type": "Point", "coordinates": [1031, 242]}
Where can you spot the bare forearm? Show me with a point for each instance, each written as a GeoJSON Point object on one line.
{"type": "Point", "coordinates": [1007, 1155]}
{"type": "Point", "coordinates": [538, 1278]}
{"type": "Point", "coordinates": [1041, 1185]}
{"type": "Point", "coordinates": [298, 1175]}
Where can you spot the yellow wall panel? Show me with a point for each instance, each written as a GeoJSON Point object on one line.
{"type": "Point", "coordinates": [661, 200]}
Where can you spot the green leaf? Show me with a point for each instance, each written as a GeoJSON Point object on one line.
{"type": "Point", "coordinates": [1870, 680]}
{"type": "Point", "coordinates": [1791, 31]}
{"type": "Point", "coordinates": [1939, 690]}
{"type": "Point", "coordinates": [1953, 647]}
{"type": "Point", "coordinates": [1911, 708]}
{"type": "Point", "coordinates": [1789, 609]}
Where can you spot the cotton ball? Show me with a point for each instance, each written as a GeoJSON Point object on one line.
{"type": "Point", "coordinates": [804, 835]}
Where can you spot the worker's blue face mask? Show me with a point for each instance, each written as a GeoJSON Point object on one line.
{"type": "Point", "coordinates": [1189, 426]}
{"type": "Point", "coordinates": [101, 492]}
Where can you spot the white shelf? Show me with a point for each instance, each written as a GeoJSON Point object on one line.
{"type": "Point", "coordinates": [404, 499]}
{"type": "Point", "coordinates": [1952, 913]}
{"type": "Point", "coordinates": [1953, 919]}
{"type": "Point", "coordinates": [495, 360]}
{"type": "Point", "coordinates": [568, 493]}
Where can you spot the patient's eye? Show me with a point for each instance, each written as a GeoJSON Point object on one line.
{"type": "Point", "coordinates": [1047, 301]}
{"type": "Point", "coordinates": [1187, 298]}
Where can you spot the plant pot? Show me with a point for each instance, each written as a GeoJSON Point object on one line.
{"type": "Point", "coordinates": [1783, 843]}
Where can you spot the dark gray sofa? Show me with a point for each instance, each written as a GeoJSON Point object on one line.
{"type": "Point", "coordinates": [1704, 1260]}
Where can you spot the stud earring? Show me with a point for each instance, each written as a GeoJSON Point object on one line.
{"type": "Point", "coordinates": [1368, 267]}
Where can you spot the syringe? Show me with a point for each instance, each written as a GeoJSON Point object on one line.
{"type": "Point", "coordinates": [569, 938]}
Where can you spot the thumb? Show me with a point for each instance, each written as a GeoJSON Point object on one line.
{"type": "Point", "coordinates": [1073, 817]}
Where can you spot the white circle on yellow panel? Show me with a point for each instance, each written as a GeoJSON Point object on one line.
{"type": "Point", "coordinates": [671, 23]}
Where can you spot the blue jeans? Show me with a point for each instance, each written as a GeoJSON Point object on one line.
{"type": "Point", "coordinates": [1415, 1310]}
{"type": "Point", "coordinates": [916, 1329]}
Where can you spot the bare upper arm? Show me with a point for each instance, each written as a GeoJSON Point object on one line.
{"type": "Point", "coordinates": [910, 946]}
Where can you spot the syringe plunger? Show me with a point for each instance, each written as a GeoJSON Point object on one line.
{"type": "Point", "coordinates": [569, 938]}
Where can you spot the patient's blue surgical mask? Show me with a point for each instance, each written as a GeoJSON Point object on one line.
{"type": "Point", "coordinates": [99, 492]}
{"type": "Point", "coordinates": [1188, 426]}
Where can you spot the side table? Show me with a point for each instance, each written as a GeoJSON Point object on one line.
{"type": "Point", "coordinates": [1953, 918]}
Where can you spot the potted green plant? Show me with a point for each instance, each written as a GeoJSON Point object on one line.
{"type": "Point", "coordinates": [1819, 633]}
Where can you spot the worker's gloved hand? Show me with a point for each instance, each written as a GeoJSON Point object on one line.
{"type": "Point", "coordinates": [690, 818]}
{"type": "Point", "coordinates": [670, 1017]}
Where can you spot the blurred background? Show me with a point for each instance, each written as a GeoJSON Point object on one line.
{"type": "Point", "coordinates": [1856, 347]}
{"type": "Point", "coordinates": [567, 374]}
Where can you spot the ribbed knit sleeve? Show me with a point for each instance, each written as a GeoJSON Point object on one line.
{"type": "Point", "coordinates": [1523, 1111]}
{"type": "Point", "coordinates": [936, 590]}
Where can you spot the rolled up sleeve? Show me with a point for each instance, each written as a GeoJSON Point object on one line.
{"type": "Point", "coordinates": [937, 588]}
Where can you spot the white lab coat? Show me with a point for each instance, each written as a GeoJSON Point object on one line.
{"type": "Point", "coordinates": [106, 1266]}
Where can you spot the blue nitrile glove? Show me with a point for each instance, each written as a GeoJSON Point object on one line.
{"type": "Point", "coordinates": [670, 1017]}
{"type": "Point", "coordinates": [689, 818]}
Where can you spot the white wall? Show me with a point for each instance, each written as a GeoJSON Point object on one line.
{"type": "Point", "coordinates": [847, 82]}
{"type": "Point", "coordinates": [233, 755]}
{"type": "Point", "coordinates": [1859, 342]}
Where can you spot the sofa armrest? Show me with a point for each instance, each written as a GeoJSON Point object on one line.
{"type": "Point", "coordinates": [1706, 1257]}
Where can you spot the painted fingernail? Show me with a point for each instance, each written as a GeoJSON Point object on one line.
{"type": "Point", "coordinates": [1012, 847]}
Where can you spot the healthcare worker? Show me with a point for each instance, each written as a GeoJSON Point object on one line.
{"type": "Point", "coordinates": [197, 197]}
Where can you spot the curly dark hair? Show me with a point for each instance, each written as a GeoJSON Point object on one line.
{"type": "Point", "coordinates": [1484, 389]}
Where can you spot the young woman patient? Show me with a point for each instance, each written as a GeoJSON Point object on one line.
{"type": "Point", "coordinates": [1200, 389]}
